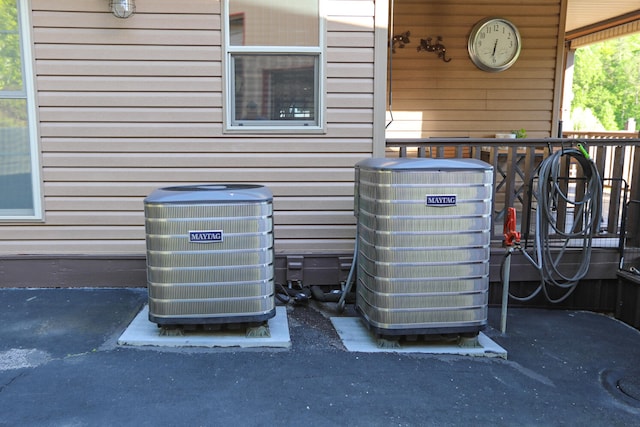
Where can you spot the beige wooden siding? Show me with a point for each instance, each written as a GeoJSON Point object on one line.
{"type": "Point", "coordinates": [431, 98]}
{"type": "Point", "coordinates": [127, 106]}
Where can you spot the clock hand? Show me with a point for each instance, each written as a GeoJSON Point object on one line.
{"type": "Point", "coordinates": [494, 48]}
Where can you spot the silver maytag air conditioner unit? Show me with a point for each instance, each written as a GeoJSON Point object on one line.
{"type": "Point", "coordinates": [423, 245]}
{"type": "Point", "coordinates": [210, 256]}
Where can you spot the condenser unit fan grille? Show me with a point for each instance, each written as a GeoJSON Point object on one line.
{"type": "Point", "coordinates": [423, 244]}
{"type": "Point", "coordinates": [210, 255]}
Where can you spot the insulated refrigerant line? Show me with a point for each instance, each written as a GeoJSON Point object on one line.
{"type": "Point", "coordinates": [347, 285]}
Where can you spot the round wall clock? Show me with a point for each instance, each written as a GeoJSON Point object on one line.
{"type": "Point", "coordinates": [494, 44]}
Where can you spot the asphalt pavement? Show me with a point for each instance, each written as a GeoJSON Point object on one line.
{"type": "Point", "coordinates": [61, 365]}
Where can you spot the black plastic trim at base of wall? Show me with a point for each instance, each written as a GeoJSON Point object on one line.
{"type": "Point", "coordinates": [72, 271]}
{"type": "Point", "coordinates": [309, 268]}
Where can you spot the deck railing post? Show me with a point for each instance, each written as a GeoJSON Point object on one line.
{"type": "Point", "coordinates": [633, 214]}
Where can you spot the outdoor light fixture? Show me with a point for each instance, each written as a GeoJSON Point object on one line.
{"type": "Point", "coordinates": [123, 8]}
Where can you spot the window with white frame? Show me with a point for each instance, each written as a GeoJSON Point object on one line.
{"type": "Point", "coordinates": [273, 65]}
{"type": "Point", "coordinates": [19, 169]}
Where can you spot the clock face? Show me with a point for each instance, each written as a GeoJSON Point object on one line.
{"type": "Point", "coordinates": [494, 44]}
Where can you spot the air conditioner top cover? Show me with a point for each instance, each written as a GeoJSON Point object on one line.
{"type": "Point", "coordinates": [210, 193]}
{"type": "Point", "coordinates": [405, 163]}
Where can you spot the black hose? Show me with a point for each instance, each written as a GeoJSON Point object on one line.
{"type": "Point", "coordinates": [319, 295]}
{"type": "Point", "coordinates": [292, 296]}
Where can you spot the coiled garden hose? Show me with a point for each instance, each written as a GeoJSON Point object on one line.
{"type": "Point", "coordinates": [547, 258]}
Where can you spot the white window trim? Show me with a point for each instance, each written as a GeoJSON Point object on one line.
{"type": "Point", "coordinates": [227, 92]}
{"type": "Point", "coordinates": [28, 75]}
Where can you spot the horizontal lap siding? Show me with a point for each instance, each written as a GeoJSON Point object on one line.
{"type": "Point", "coordinates": [431, 98]}
{"type": "Point", "coordinates": [128, 106]}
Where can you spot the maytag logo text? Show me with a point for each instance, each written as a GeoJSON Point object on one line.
{"type": "Point", "coordinates": [442, 200]}
{"type": "Point", "coordinates": [209, 236]}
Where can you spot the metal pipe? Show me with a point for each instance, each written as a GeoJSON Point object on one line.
{"type": "Point", "coordinates": [506, 270]}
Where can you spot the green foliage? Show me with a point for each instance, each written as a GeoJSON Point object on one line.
{"type": "Point", "coordinates": [607, 81]}
{"type": "Point", "coordinates": [520, 133]}
{"type": "Point", "coordinates": [12, 111]}
{"type": "Point", "coordinates": [10, 57]}
{"type": "Point", "coordinates": [584, 120]}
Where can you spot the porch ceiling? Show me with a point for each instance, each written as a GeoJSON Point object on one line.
{"type": "Point", "coordinates": [588, 16]}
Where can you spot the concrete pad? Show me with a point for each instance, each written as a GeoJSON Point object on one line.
{"type": "Point", "coordinates": [142, 332]}
{"type": "Point", "coordinates": [356, 337]}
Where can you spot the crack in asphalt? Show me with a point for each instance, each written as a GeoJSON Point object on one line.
{"type": "Point", "coordinates": [11, 381]}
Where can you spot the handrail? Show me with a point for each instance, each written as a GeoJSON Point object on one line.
{"type": "Point", "coordinates": [515, 160]}
{"type": "Point", "coordinates": [537, 142]}
{"type": "Point", "coordinates": [590, 134]}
